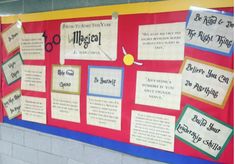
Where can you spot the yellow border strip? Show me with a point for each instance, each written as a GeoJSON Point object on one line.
{"type": "Point", "coordinates": [133, 8]}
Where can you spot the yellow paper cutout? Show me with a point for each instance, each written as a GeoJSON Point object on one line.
{"type": "Point", "coordinates": [128, 59]}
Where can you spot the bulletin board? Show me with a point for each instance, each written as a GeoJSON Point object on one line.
{"type": "Point", "coordinates": [121, 80]}
{"type": "Point", "coordinates": [1, 110]}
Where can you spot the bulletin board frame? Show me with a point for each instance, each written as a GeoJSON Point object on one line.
{"type": "Point", "coordinates": [102, 11]}
{"type": "Point", "coordinates": [1, 108]}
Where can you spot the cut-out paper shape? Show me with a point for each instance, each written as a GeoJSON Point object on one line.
{"type": "Point", "coordinates": [33, 78]}
{"type": "Point", "coordinates": [158, 89]}
{"type": "Point", "coordinates": [203, 132]}
{"type": "Point", "coordinates": [32, 46]}
{"type": "Point", "coordinates": [206, 81]}
{"type": "Point", "coordinates": [104, 99]}
{"type": "Point", "coordinates": [89, 40]}
{"type": "Point", "coordinates": [12, 104]}
{"type": "Point", "coordinates": [153, 130]}
{"type": "Point", "coordinates": [33, 109]}
{"type": "Point", "coordinates": [161, 41]}
{"type": "Point", "coordinates": [65, 107]}
{"type": "Point", "coordinates": [12, 68]}
{"type": "Point", "coordinates": [104, 112]}
{"type": "Point", "coordinates": [11, 36]}
{"type": "Point", "coordinates": [128, 59]}
{"type": "Point", "coordinates": [105, 81]}
{"type": "Point", "coordinates": [51, 42]}
{"type": "Point", "coordinates": [66, 79]}
{"type": "Point", "coordinates": [210, 30]}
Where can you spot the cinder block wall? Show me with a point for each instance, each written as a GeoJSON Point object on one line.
{"type": "Point", "coordinates": [24, 146]}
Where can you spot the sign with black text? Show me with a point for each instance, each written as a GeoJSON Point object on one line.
{"type": "Point", "coordinates": [32, 46]}
{"type": "Point", "coordinates": [203, 132]}
{"type": "Point", "coordinates": [34, 109]}
{"type": "Point", "coordinates": [66, 79]}
{"type": "Point", "coordinates": [104, 99]}
{"type": "Point", "coordinates": [11, 36]}
{"type": "Point", "coordinates": [89, 40]}
{"type": "Point", "coordinates": [161, 41]}
{"type": "Point", "coordinates": [158, 89]}
{"type": "Point", "coordinates": [153, 130]}
{"type": "Point", "coordinates": [12, 68]}
{"type": "Point", "coordinates": [105, 81]}
{"type": "Point", "coordinates": [33, 78]}
{"type": "Point", "coordinates": [206, 81]}
{"type": "Point", "coordinates": [12, 104]}
{"type": "Point", "coordinates": [210, 30]}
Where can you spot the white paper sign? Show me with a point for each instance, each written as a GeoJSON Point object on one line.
{"type": "Point", "coordinates": [206, 81]}
{"type": "Point", "coordinates": [66, 79]}
{"type": "Point", "coordinates": [161, 41]}
{"type": "Point", "coordinates": [104, 112]}
{"type": "Point", "coordinates": [105, 81]}
{"type": "Point", "coordinates": [203, 132]}
{"type": "Point", "coordinates": [12, 69]}
{"type": "Point", "coordinates": [32, 46]}
{"type": "Point", "coordinates": [210, 30]}
{"type": "Point", "coordinates": [33, 78]}
{"type": "Point", "coordinates": [33, 109]}
{"type": "Point", "coordinates": [65, 107]}
{"type": "Point", "coordinates": [158, 89]}
{"type": "Point", "coordinates": [11, 37]}
{"type": "Point", "coordinates": [89, 40]}
{"type": "Point", "coordinates": [153, 130]}
{"type": "Point", "coordinates": [12, 104]}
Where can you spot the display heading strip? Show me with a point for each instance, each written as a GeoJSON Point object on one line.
{"type": "Point", "coordinates": [133, 8]}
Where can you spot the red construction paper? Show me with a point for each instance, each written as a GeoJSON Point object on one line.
{"type": "Point", "coordinates": [127, 37]}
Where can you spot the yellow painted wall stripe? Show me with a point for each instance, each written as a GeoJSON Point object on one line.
{"type": "Point", "coordinates": [133, 8]}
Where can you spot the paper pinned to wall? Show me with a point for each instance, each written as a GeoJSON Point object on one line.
{"type": "Point", "coordinates": [89, 40]}
{"type": "Point", "coordinates": [65, 107]}
{"type": "Point", "coordinates": [32, 46]}
{"type": "Point", "coordinates": [33, 109]}
{"type": "Point", "coordinates": [203, 132]}
{"type": "Point", "coordinates": [105, 81]}
{"type": "Point", "coordinates": [161, 41]}
{"type": "Point", "coordinates": [12, 104]}
{"type": "Point", "coordinates": [66, 79]}
{"type": "Point", "coordinates": [11, 36]}
{"type": "Point", "coordinates": [153, 130]}
{"type": "Point", "coordinates": [210, 30]}
{"type": "Point", "coordinates": [206, 82]}
{"type": "Point", "coordinates": [12, 68]}
{"type": "Point", "coordinates": [127, 38]}
{"type": "Point", "coordinates": [158, 89]}
{"type": "Point", "coordinates": [104, 112]}
{"type": "Point", "coordinates": [104, 100]}
{"type": "Point", "coordinates": [33, 78]}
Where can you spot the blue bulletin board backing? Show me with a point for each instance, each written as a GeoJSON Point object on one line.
{"type": "Point", "coordinates": [140, 151]}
